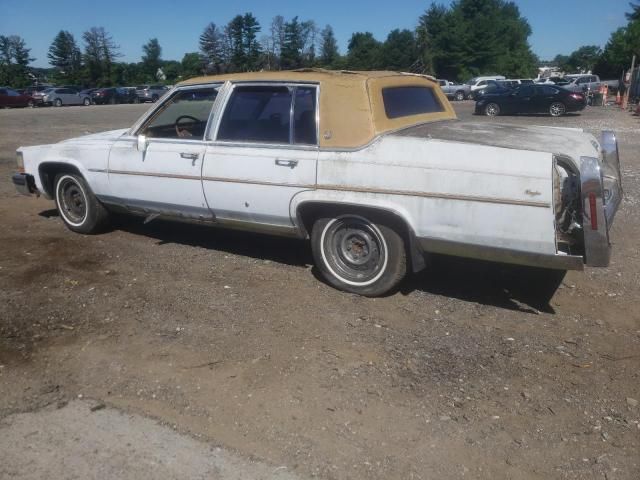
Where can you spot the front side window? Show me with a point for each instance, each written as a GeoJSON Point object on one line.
{"type": "Point", "coordinates": [184, 115]}
{"type": "Point", "coordinates": [407, 101]}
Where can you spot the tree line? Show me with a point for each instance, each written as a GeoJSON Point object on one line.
{"type": "Point", "coordinates": [468, 38]}
{"type": "Point", "coordinates": [616, 56]}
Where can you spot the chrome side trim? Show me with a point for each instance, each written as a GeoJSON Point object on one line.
{"type": "Point", "coordinates": [445, 196]}
{"type": "Point", "coordinates": [344, 188]}
{"type": "Point", "coordinates": [596, 240]}
{"type": "Point", "coordinates": [153, 174]}
{"type": "Point", "coordinates": [493, 254]}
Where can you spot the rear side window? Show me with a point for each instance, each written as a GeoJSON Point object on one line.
{"type": "Point", "coordinates": [407, 101]}
{"type": "Point", "coordinates": [547, 90]}
{"type": "Point", "coordinates": [257, 114]}
{"type": "Point", "coordinates": [270, 114]}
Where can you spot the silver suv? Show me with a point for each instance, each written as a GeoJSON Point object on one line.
{"type": "Point", "coordinates": [150, 93]}
{"type": "Point", "coordinates": [583, 83]}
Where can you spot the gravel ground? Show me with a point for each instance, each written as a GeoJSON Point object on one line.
{"type": "Point", "coordinates": [231, 339]}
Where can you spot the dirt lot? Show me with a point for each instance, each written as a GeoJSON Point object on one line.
{"type": "Point", "coordinates": [231, 338]}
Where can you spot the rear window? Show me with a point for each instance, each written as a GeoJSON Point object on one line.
{"type": "Point", "coordinates": [407, 101]}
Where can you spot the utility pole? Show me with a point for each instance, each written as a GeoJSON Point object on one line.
{"type": "Point", "coordinates": [625, 101]}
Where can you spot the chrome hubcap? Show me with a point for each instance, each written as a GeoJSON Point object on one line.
{"type": "Point", "coordinates": [354, 250]}
{"type": "Point", "coordinates": [74, 202]}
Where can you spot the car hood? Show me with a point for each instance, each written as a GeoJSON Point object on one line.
{"type": "Point", "coordinates": [100, 137]}
{"type": "Point", "coordinates": [569, 142]}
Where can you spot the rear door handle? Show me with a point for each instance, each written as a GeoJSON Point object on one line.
{"type": "Point", "coordinates": [287, 163]}
{"type": "Point", "coordinates": [189, 156]}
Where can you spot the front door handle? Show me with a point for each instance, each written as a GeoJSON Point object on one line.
{"type": "Point", "coordinates": [287, 163]}
{"type": "Point", "coordinates": [190, 156]}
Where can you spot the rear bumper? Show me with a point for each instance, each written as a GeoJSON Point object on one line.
{"type": "Point", "coordinates": [601, 197]}
{"type": "Point", "coordinates": [25, 184]}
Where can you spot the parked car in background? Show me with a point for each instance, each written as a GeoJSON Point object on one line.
{"type": "Point", "coordinates": [36, 88]}
{"type": "Point", "coordinates": [151, 93]}
{"type": "Point", "coordinates": [583, 83]}
{"type": "Point", "coordinates": [114, 95]}
{"type": "Point", "coordinates": [60, 96]}
{"type": "Point", "coordinates": [480, 83]}
{"type": "Point", "coordinates": [560, 81]}
{"type": "Point", "coordinates": [88, 92]}
{"type": "Point", "coordinates": [454, 90]}
{"type": "Point", "coordinates": [550, 99]}
{"type": "Point", "coordinates": [491, 86]}
{"type": "Point", "coordinates": [10, 98]}
{"type": "Point", "coordinates": [283, 153]}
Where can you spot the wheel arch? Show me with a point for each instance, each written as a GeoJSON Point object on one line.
{"type": "Point", "coordinates": [308, 211]}
{"type": "Point", "coordinates": [47, 172]}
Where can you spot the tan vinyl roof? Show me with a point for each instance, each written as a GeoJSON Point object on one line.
{"type": "Point", "coordinates": [352, 111]}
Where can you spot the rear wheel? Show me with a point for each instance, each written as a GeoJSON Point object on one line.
{"type": "Point", "coordinates": [31, 104]}
{"type": "Point", "coordinates": [492, 110]}
{"type": "Point", "coordinates": [359, 254]}
{"type": "Point", "coordinates": [79, 208]}
{"type": "Point", "coordinates": [557, 109]}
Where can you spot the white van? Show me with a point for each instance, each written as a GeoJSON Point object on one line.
{"type": "Point", "coordinates": [477, 83]}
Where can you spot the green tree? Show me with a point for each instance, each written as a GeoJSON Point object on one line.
{"type": "Point", "coordinates": [622, 45]}
{"type": "Point", "coordinates": [251, 46]}
{"type": "Point", "coordinates": [365, 52]}
{"type": "Point", "coordinates": [14, 61]}
{"type": "Point", "coordinates": [191, 65]}
{"type": "Point", "coordinates": [329, 53]}
{"type": "Point", "coordinates": [292, 45]}
{"type": "Point", "coordinates": [100, 52]}
{"type": "Point", "coordinates": [583, 59]}
{"type": "Point", "coordinates": [152, 58]}
{"type": "Point", "coordinates": [474, 37]}
{"type": "Point", "coordinates": [66, 57]}
{"type": "Point", "coordinates": [235, 34]}
{"type": "Point", "coordinates": [399, 50]}
{"type": "Point", "coordinates": [212, 48]}
{"type": "Point", "coordinates": [309, 34]}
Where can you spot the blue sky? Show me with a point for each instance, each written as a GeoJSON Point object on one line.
{"type": "Point", "coordinates": [559, 26]}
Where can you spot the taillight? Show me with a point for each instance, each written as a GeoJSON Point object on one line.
{"type": "Point", "coordinates": [593, 210]}
{"type": "Point", "coordinates": [577, 96]}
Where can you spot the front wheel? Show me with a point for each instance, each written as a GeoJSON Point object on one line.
{"type": "Point", "coordinates": [492, 110]}
{"type": "Point", "coordinates": [79, 208]}
{"type": "Point", "coordinates": [86, 102]}
{"type": "Point", "coordinates": [459, 96]}
{"type": "Point", "coordinates": [57, 102]}
{"type": "Point", "coordinates": [359, 255]}
{"type": "Point", "coordinates": [557, 109]}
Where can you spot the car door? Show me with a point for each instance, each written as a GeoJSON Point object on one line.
{"type": "Point", "coordinates": [157, 169]}
{"type": "Point", "coordinates": [265, 152]}
{"type": "Point", "coordinates": [523, 100]}
{"type": "Point", "coordinates": [545, 96]}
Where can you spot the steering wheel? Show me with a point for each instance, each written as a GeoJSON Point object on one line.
{"type": "Point", "coordinates": [183, 132]}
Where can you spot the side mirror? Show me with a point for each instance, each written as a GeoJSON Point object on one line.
{"type": "Point", "coordinates": [142, 143]}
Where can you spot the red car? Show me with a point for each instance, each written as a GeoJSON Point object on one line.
{"type": "Point", "coordinates": [10, 98]}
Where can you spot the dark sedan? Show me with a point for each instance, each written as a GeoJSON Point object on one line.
{"type": "Point", "coordinates": [114, 95]}
{"type": "Point", "coordinates": [10, 98]}
{"type": "Point", "coordinates": [525, 99]}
